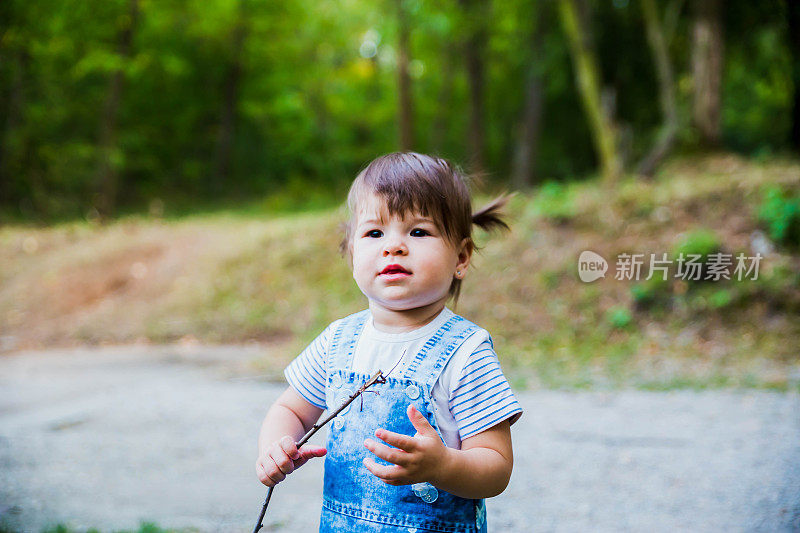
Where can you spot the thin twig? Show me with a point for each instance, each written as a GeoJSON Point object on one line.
{"type": "Point", "coordinates": [378, 377]}
{"type": "Point", "coordinates": [397, 363]}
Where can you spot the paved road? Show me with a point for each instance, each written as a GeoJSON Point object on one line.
{"type": "Point", "coordinates": [110, 437]}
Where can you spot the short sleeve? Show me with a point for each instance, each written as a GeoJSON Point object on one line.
{"type": "Point", "coordinates": [306, 374]}
{"type": "Point", "coordinates": [482, 398]}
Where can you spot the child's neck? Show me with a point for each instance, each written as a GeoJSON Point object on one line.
{"type": "Point", "coordinates": [401, 321]}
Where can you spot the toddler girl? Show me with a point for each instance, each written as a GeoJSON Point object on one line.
{"type": "Point", "coordinates": [424, 450]}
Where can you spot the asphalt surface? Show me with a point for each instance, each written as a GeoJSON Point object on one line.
{"type": "Point", "coordinates": [109, 438]}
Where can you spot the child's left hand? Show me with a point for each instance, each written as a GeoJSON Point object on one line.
{"type": "Point", "coordinates": [415, 459]}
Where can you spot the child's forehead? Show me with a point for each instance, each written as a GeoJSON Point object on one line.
{"type": "Point", "coordinates": [374, 207]}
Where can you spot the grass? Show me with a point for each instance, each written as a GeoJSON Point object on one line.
{"type": "Point", "coordinates": [144, 527]}
{"type": "Point", "coordinates": [270, 275]}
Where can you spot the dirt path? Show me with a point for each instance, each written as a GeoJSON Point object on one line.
{"type": "Point", "coordinates": [108, 438]}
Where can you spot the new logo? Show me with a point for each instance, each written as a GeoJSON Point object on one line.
{"type": "Point", "coordinates": [591, 266]}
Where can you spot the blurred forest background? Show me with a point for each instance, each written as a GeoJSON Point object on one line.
{"type": "Point", "coordinates": [109, 105]}
{"type": "Point", "coordinates": [170, 171]}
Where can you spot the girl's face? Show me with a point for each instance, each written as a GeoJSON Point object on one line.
{"type": "Point", "coordinates": [402, 264]}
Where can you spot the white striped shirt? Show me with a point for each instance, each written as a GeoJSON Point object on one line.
{"type": "Point", "coordinates": [470, 396]}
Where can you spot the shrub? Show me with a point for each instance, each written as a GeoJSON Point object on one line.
{"type": "Point", "coordinates": [701, 242]}
{"type": "Point", "coordinates": [780, 215]}
{"type": "Point", "coordinates": [720, 298]}
{"type": "Point", "coordinates": [619, 317]}
{"type": "Point", "coordinates": [659, 293]}
{"type": "Point", "coordinates": [651, 293]}
{"type": "Point", "coordinates": [554, 201]}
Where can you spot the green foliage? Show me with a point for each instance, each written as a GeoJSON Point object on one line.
{"type": "Point", "coordinates": [698, 242]}
{"type": "Point", "coordinates": [150, 527]}
{"type": "Point", "coordinates": [144, 527]}
{"type": "Point", "coordinates": [651, 292]}
{"type": "Point", "coordinates": [642, 294]}
{"type": "Point", "coordinates": [313, 89]}
{"type": "Point", "coordinates": [555, 201]}
{"type": "Point", "coordinates": [299, 195]}
{"type": "Point", "coordinates": [61, 528]}
{"type": "Point", "coordinates": [619, 317]}
{"type": "Point", "coordinates": [779, 287]}
{"type": "Point", "coordinates": [690, 295]}
{"type": "Point", "coordinates": [720, 298]}
{"type": "Point", "coordinates": [757, 88]}
{"type": "Point", "coordinates": [551, 278]}
{"type": "Point", "coordinates": [634, 199]}
{"type": "Point", "coordinates": [780, 214]}
{"type": "Point", "coordinates": [711, 297]}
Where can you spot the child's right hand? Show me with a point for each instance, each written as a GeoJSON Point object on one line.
{"type": "Point", "coordinates": [281, 459]}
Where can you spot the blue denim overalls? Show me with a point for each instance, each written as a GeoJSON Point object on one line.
{"type": "Point", "coordinates": [354, 500]}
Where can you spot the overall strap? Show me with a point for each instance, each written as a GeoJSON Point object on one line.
{"type": "Point", "coordinates": [436, 352]}
{"type": "Point", "coordinates": [343, 342]}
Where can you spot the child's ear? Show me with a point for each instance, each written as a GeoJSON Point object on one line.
{"type": "Point", "coordinates": [465, 250]}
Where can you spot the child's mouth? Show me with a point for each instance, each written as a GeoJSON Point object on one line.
{"type": "Point", "coordinates": [394, 271]}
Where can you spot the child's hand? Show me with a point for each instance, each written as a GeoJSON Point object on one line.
{"type": "Point", "coordinates": [282, 458]}
{"type": "Point", "coordinates": [419, 458]}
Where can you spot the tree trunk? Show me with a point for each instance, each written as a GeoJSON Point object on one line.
{"type": "Point", "coordinates": [474, 45]}
{"type": "Point", "coordinates": [12, 141]}
{"type": "Point", "coordinates": [21, 177]}
{"type": "Point", "coordinates": [671, 16]}
{"type": "Point", "coordinates": [228, 115]}
{"type": "Point", "coordinates": [586, 72]}
{"type": "Point", "coordinates": [526, 151]}
{"type": "Point", "coordinates": [405, 110]}
{"type": "Point", "coordinates": [666, 89]}
{"type": "Point", "coordinates": [793, 15]}
{"type": "Point", "coordinates": [707, 57]}
{"type": "Point", "coordinates": [107, 175]}
{"type": "Point", "coordinates": [440, 122]}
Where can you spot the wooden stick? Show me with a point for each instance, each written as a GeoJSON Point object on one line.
{"type": "Point", "coordinates": [376, 378]}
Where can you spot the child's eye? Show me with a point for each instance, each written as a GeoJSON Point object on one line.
{"type": "Point", "coordinates": [375, 233]}
{"type": "Point", "coordinates": [416, 232]}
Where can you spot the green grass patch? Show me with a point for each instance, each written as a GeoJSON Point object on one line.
{"type": "Point", "coordinates": [144, 527]}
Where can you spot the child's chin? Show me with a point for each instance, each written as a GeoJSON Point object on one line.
{"type": "Point", "coordinates": [403, 304]}
{"type": "Point", "coordinates": [396, 306]}
{"type": "Point", "coordinates": [395, 303]}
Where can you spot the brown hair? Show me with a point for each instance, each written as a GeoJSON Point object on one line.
{"type": "Point", "coordinates": [409, 182]}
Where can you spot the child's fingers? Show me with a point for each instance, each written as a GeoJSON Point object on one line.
{"type": "Point", "coordinates": [262, 475]}
{"type": "Point", "coordinates": [289, 446]}
{"type": "Point", "coordinates": [282, 461]}
{"type": "Point", "coordinates": [274, 472]}
{"type": "Point", "coordinates": [420, 423]}
{"type": "Point", "coordinates": [398, 440]}
{"type": "Point", "coordinates": [309, 452]}
{"type": "Point", "coordinates": [274, 479]}
{"type": "Point", "coordinates": [263, 471]}
{"type": "Point", "coordinates": [388, 474]}
{"type": "Point", "coordinates": [393, 455]}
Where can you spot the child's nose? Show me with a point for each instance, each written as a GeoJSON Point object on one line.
{"type": "Point", "coordinates": [395, 247]}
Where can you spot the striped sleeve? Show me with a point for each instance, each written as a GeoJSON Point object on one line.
{"type": "Point", "coordinates": [482, 397]}
{"type": "Point", "coordinates": [306, 374]}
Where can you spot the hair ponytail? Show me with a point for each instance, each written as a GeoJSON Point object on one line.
{"type": "Point", "coordinates": [489, 217]}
